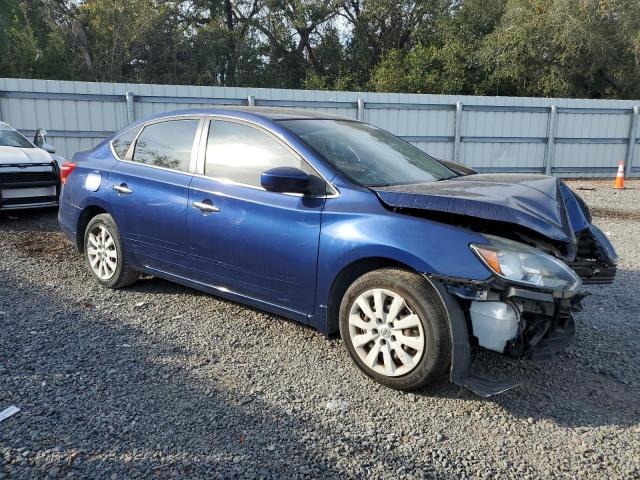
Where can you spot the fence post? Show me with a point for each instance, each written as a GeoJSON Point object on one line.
{"type": "Point", "coordinates": [631, 146]}
{"type": "Point", "coordinates": [251, 100]}
{"type": "Point", "coordinates": [131, 114]}
{"type": "Point", "coordinates": [457, 132]}
{"type": "Point", "coordinates": [360, 112]}
{"type": "Point", "coordinates": [550, 149]}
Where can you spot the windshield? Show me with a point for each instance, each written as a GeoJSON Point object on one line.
{"type": "Point", "coordinates": [367, 155]}
{"type": "Point", "coordinates": [10, 138]}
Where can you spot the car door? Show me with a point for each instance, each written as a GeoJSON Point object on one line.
{"type": "Point", "coordinates": [149, 193]}
{"type": "Point", "coordinates": [242, 238]}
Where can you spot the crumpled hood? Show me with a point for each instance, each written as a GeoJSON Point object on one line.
{"type": "Point", "coordinates": [543, 204]}
{"type": "Point", "coordinates": [14, 155]}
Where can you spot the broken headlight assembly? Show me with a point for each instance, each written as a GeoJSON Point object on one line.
{"type": "Point", "coordinates": [524, 265]}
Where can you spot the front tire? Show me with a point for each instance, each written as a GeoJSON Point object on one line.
{"type": "Point", "coordinates": [394, 326]}
{"type": "Point", "coordinates": [104, 253]}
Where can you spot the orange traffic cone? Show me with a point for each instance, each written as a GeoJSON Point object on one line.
{"type": "Point", "coordinates": [619, 183]}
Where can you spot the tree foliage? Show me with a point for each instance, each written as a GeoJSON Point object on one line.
{"type": "Point", "coordinates": [575, 48]}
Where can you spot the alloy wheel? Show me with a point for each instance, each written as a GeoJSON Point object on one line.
{"type": "Point", "coordinates": [102, 252]}
{"type": "Point", "coordinates": [385, 332]}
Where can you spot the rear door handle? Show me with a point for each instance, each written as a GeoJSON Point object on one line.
{"type": "Point", "coordinates": [206, 207]}
{"type": "Point", "coordinates": [123, 189]}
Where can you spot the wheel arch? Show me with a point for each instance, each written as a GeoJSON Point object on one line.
{"type": "Point", "coordinates": [84, 218]}
{"type": "Point", "coordinates": [347, 276]}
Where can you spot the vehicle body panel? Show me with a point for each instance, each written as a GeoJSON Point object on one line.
{"type": "Point", "coordinates": [153, 217]}
{"type": "Point", "coordinates": [76, 198]}
{"type": "Point", "coordinates": [532, 201]}
{"type": "Point", "coordinates": [21, 156]}
{"type": "Point", "coordinates": [259, 244]}
{"type": "Point", "coordinates": [356, 226]}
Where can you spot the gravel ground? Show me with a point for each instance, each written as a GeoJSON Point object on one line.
{"type": "Point", "coordinates": [161, 381]}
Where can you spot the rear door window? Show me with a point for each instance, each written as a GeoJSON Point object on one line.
{"type": "Point", "coordinates": [166, 144]}
{"type": "Point", "coordinates": [240, 153]}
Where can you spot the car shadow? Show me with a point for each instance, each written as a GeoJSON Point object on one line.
{"type": "Point", "coordinates": [575, 389]}
{"type": "Point", "coordinates": [593, 383]}
{"type": "Point", "coordinates": [104, 397]}
{"type": "Point", "coordinates": [30, 220]}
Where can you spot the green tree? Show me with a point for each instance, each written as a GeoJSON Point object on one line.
{"type": "Point", "coordinates": [578, 48]}
{"type": "Point", "coordinates": [18, 43]}
{"type": "Point", "coordinates": [574, 48]}
{"type": "Point", "coordinates": [446, 58]}
{"type": "Point", "coordinates": [381, 27]}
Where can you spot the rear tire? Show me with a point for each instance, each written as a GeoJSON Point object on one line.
{"type": "Point", "coordinates": [394, 326]}
{"type": "Point", "coordinates": [105, 255]}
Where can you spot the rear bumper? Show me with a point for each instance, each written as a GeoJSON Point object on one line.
{"type": "Point", "coordinates": [68, 216]}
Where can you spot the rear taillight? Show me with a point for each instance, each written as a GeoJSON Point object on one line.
{"type": "Point", "coordinates": [65, 171]}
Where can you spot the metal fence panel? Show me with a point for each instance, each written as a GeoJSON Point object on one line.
{"type": "Point", "coordinates": [594, 125]}
{"type": "Point", "coordinates": [514, 157]}
{"type": "Point", "coordinates": [589, 156]}
{"type": "Point", "coordinates": [564, 137]}
{"type": "Point", "coordinates": [504, 124]}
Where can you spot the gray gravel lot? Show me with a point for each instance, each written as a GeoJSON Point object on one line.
{"type": "Point", "coordinates": [162, 381]}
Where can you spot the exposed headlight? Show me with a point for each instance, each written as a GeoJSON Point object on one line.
{"type": "Point", "coordinates": [522, 264]}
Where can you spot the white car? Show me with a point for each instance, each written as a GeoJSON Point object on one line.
{"type": "Point", "coordinates": [29, 171]}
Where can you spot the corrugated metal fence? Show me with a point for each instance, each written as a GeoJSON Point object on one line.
{"type": "Point", "coordinates": [564, 137]}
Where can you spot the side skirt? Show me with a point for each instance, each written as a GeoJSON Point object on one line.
{"type": "Point", "coordinates": [225, 293]}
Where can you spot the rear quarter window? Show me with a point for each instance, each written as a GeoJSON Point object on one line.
{"type": "Point", "coordinates": [123, 142]}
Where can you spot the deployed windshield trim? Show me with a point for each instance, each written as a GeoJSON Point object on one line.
{"type": "Point", "coordinates": [346, 175]}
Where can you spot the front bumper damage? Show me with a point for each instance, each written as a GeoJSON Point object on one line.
{"type": "Point", "coordinates": [596, 260]}
{"type": "Point", "coordinates": [545, 325]}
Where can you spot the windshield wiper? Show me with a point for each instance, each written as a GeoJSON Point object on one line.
{"type": "Point", "coordinates": [379, 185]}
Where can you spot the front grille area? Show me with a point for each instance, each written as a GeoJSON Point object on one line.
{"type": "Point", "coordinates": [26, 178]}
{"type": "Point", "coordinates": [21, 180]}
{"type": "Point", "coordinates": [20, 177]}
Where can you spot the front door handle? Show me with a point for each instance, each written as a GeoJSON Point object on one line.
{"type": "Point", "coordinates": [206, 207]}
{"type": "Point", "coordinates": [123, 189]}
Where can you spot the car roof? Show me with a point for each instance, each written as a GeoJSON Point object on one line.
{"type": "Point", "coordinates": [257, 114]}
{"type": "Point", "coordinates": [270, 113]}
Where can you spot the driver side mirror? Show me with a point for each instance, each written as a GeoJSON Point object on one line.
{"type": "Point", "coordinates": [285, 180]}
{"type": "Point", "coordinates": [40, 141]}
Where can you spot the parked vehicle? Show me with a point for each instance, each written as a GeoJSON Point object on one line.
{"type": "Point", "coordinates": [29, 172]}
{"type": "Point", "coordinates": [345, 227]}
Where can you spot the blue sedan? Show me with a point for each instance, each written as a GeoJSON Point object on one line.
{"type": "Point", "coordinates": [335, 223]}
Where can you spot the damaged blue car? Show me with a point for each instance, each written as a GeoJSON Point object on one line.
{"type": "Point", "coordinates": [345, 227]}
